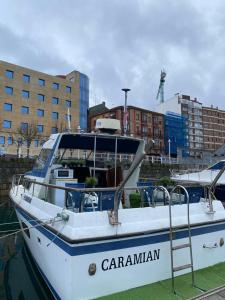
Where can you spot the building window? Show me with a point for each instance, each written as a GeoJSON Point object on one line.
{"type": "Point", "coordinates": [9, 74]}
{"type": "Point", "coordinates": [7, 107]}
{"type": "Point", "coordinates": [10, 140]}
{"type": "Point", "coordinates": [54, 130]}
{"type": "Point", "coordinates": [68, 103]}
{"type": "Point", "coordinates": [2, 140]}
{"type": "Point", "coordinates": [55, 115]}
{"type": "Point", "coordinates": [68, 89]}
{"type": "Point", "coordinates": [40, 128]}
{"type": "Point", "coordinates": [41, 82]}
{"type": "Point", "coordinates": [68, 117]}
{"type": "Point", "coordinates": [24, 126]}
{"type": "Point", "coordinates": [36, 143]}
{"type": "Point", "coordinates": [25, 94]}
{"type": "Point", "coordinates": [24, 110]}
{"type": "Point", "coordinates": [7, 124]}
{"type": "Point", "coordinates": [55, 86]}
{"type": "Point", "coordinates": [41, 97]}
{"type": "Point", "coordinates": [40, 112]}
{"type": "Point", "coordinates": [8, 90]}
{"type": "Point", "coordinates": [55, 100]}
{"type": "Point", "coordinates": [26, 78]}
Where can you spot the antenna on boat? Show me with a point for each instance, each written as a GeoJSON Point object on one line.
{"type": "Point", "coordinates": [68, 120]}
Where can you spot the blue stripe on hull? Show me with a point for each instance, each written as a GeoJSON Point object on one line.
{"type": "Point", "coordinates": [121, 243]}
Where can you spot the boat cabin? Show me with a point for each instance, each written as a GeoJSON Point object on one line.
{"type": "Point", "coordinates": [81, 161]}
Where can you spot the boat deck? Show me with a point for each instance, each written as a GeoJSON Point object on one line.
{"type": "Point", "coordinates": [210, 285]}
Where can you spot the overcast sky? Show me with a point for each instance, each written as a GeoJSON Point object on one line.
{"type": "Point", "coordinates": [122, 43]}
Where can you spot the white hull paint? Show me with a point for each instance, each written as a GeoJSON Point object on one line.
{"type": "Point", "coordinates": [68, 274]}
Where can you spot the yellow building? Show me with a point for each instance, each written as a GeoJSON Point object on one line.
{"type": "Point", "coordinates": [31, 98]}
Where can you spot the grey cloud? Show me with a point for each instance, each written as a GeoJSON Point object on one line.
{"type": "Point", "coordinates": [123, 44]}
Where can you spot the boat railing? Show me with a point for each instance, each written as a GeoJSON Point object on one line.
{"type": "Point", "coordinates": [108, 198]}
{"type": "Point", "coordinates": [144, 192]}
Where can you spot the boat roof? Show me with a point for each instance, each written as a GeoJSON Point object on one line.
{"type": "Point", "coordinates": [86, 141]}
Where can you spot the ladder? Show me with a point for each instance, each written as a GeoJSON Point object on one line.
{"type": "Point", "coordinates": [173, 248]}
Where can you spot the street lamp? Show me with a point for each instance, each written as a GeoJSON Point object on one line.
{"type": "Point", "coordinates": [169, 141]}
{"type": "Point", "coordinates": [125, 111]}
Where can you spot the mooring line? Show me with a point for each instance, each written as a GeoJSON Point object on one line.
{"type": "Point", "coordinates": [24, 229]}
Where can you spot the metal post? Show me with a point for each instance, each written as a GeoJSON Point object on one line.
{"type": "Point", "coordinates": [115, 162]}
{"type": "Point", "coordinates": [94, 155]}
{"type": "Point", "coordinates": [125, 112]}
{"type": "Point", "coordinates": [169, 141]}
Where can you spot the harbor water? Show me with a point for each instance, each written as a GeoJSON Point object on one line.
{"type": "Point", "coordinates": [19, 277]}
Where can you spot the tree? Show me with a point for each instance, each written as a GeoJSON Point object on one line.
{"type": "Point", "coordinates": [28, 134]}
{"type": "Point", "coordinates": [18, 141]}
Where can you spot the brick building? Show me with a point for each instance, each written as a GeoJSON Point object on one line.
{"type": "Point", "coordinates": [142, 123]}
{"type": "Point", "coordinates": [213, 120]}
{"type": "Point", "coordinates": [31, 97]}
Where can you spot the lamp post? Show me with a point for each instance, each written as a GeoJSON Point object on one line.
{"type": "Point", "coordinates": [125, 112]}
{"type": "Point", "coordinates": [169, 141]}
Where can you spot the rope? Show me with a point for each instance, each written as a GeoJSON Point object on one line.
{"type": "Point", "coordinates": [24, 229]}
{"type": "Point", "coordinates": [10, 223]}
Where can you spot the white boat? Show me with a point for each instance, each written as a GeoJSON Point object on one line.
{"type": "Point", "coordinates": [205, 178]}
{"type": "Point", "coordinates": [202, 177]}
{"type": "Point", "coordinates": [90, 247]}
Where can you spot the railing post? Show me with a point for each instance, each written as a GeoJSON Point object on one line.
{"type": "Point", "coordinates": [113, 216]}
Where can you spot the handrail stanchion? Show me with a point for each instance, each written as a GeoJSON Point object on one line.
{"type": "Point", "coordinates": [33, 189]}
{"type": "Point", "coordinates": [113, 215]}
{"type": "Point", "coordinates": [46, 190]}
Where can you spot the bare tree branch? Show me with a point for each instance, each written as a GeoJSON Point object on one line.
{"type": "Point", "coordinates": [28, 134]}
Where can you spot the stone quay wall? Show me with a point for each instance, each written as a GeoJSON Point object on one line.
{"type": "Point", "coordinates": [10, 166]}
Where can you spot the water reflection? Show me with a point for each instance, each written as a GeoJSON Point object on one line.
{"type": "Point", "coordinates": [19, 276]}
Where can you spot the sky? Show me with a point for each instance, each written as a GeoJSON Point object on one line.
{"type": "Point", "coordinates": [122, 44]}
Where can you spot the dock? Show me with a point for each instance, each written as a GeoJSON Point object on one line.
{"type": "Point", "coordinates": [209, 284]}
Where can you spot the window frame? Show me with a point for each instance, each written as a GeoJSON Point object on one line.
{"type": "Point", "coordinates": [41, 97]}
{"type": "Point", "coordinates": [4, 106]}
{"type": "Point", "coordinates": [68, 89]}
{"type": "Point", "coordinates": [8, 88]}
{"type": "Point", "coordinates": [55, 98]}
{"type": "Point", "coordinates": [24, 125]}
{"type": "Point", "coordinates": [41, 111]}
{"type": "Point", "coordinates": [27, 111]}
{"type": "Point", "coordinates": [55, 86]}
{"type": "Point", "coordinates": [41, 80]}
{"type": "Point", "coordinates": [2, 137]}
{"type": "Point", "coordinates": [55, 113]}
{"type": "Point", "coordinates": [68, 101]}
{"type": "Point", "coordinates": [26, 78]}
{"type": "Point", "coordinates": [40, 126]}
{"type": "Point", "coordinates": [25, 92]}
{"type": "Point", "coordinates": [7, 122]}
{"type": "Point", "coordinates": [9, 72]}
{"type": "Point", "coordinates": [11, 139]}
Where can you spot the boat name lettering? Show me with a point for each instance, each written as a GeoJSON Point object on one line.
{"type": "Point", "coordinates": [130, 260]}
{"type": "Point", "coordinates": [27, 198]}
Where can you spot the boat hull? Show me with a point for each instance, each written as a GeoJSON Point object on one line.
{"type": "Point", "coordinates": [92, 269]}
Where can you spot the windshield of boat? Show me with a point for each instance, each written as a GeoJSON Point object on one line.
{"type": "Point", "coordinates": [103, 150]}
{"type": "Point", "coordinates": [43, 158]}
{"type": "Point", "coordinates": [217, 166]}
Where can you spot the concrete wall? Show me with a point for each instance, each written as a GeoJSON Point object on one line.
{"type": "Point", "coordinates": [171, 105]}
